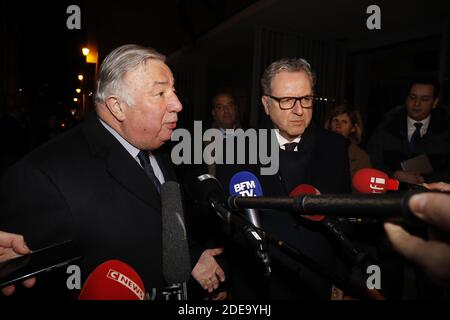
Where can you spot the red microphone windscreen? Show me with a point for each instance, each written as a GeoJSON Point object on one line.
{"type": "Point", "coordinates": [113, 280]}
{"type": "Point", "coordinates": [370, 180]}
{"type": "Point", "coordinates": [306, 189]}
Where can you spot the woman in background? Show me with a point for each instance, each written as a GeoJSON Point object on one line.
{"type": "Point", "coordinates": [347, 122]}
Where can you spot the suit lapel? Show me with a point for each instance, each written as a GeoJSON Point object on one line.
{"type": "Point", "coordinates": [119, 163]}
{"type": "Point", "coordinates": [122, 167]}
{"type": "Point", "coordinates": [165, 166]}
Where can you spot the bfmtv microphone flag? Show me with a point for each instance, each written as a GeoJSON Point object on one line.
{"type": "Point", "coordinates": [245, 184]}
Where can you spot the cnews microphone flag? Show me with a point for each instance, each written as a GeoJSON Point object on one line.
{"type": "Point", "coordinates": [113, 280]}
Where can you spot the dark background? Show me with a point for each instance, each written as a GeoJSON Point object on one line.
{"type": "Point", "coordinates": [221, 44]}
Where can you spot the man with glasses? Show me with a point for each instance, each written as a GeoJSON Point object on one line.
{"type": "Point", "coordinates": [308, 155]}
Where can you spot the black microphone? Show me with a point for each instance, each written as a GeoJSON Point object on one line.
{"type": "Point", "coordinates": [245, 183]}
{"type": "Point", "coordinates": [382, 206]}
{"type": "Point", "coordinates": [330, 226]}
{"type": "Point", "coordinates": [206, 189]}
{"type": "Point", "coordinates": [176, 259]}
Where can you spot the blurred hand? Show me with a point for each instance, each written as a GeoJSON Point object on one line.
{"type": "Point", "coordinates": [439, 186]}
{"type": "Point", "coordinates": [207, 271]}
{"type": "Point", "coordinates": [411, 177]}
{"type": "Point", "coordinates": [11, 246]}
{"type": "Point", "coordinates": [432, 255]}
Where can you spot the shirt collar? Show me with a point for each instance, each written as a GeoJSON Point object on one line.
{"type": "Point", "coordinates": [132, 150]}
{"type": "Point", "coordinates": [282, 141]}
{"type": "Point", "coordinates": [425, 122]}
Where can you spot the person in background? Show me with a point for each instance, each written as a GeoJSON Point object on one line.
{"type": "Point", "coordinates": [419, 128]}
{"type": "Point", "coordinates": [348, 123]}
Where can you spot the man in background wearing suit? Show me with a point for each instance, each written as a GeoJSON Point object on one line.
{"type": "Point", "coordinates": [308, 154]}
{"type": "Point", "coordinates": [416, 128]}
{"type": "Point", "coordinates": [99, 183]}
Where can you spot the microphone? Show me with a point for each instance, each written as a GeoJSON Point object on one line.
{"type": "Point", "coordinates": [176, 259]}
{"type": "Point", "coordinates": [113, 280]}
{"type": "Point", "coordinates": [368, 180]}
{"type": "Point", "coordinates": [245, 183]}
{"type": "Point", "coordinates": [357, 256]}
{"type": "Point", "coordinates": [335, 205]}
{"type": "Point", "coordinates": [208, 190]}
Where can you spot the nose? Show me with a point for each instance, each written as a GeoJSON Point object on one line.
{"type": "Point", "coordinates": [174, 104]}
{"type": "Point", "coordinates": [297, 109]}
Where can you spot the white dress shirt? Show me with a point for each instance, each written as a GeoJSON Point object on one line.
{"type": "Point", "coordinates": [411, 128]}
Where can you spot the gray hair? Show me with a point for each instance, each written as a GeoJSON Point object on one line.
{"type": "Point", "coordinates": [286, 64]}
{"type": "Point", "coordinates": [116, 65]}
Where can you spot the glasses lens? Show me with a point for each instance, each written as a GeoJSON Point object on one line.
{"type": "Point", "coordinates": [307, 101]}
{"type": "Point", "coordinates": [287, 103]}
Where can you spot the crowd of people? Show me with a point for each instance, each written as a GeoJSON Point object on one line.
{"type": "Point", "coordinates": [99, 184]}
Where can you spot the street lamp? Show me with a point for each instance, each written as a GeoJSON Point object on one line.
{"type": "Point", "coordinates": [78, 90]}
{"type": "Point", "coordinates": [75, 99]}
{"type": "Point", "coordinates": [80, 77]}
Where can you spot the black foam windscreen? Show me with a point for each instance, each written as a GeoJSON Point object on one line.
{"type": "Point", "coordinates": [203, 187]}
{"type": "Point", "coordinates": [176, 258]}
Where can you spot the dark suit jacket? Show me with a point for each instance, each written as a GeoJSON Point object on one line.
{"type": "Point", "coordinates": [85, 186]}
{"type": "Point", "coordinates": [322, 161]}
{"type": "Point", "coordinates": [389, 146]}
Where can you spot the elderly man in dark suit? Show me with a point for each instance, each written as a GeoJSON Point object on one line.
{"type": "Point", "coordinates": [308, 154]}
{"type": "Point", "coordinates": [99, 183]}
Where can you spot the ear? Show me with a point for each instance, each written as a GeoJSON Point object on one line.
{"type": "Point", "coordinates": [266, 104]}
{"type": "Point", "coordinates": [213, 113]}
{"type": "Point", "coordinates": [116, 107]}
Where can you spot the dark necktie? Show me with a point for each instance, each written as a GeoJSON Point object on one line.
{"type": "Point", "coordinates": [290, 146]}
{"type": "Point", "coordinates": [144, 159]}
{"type": "Point", "coordinates": [416, 135]}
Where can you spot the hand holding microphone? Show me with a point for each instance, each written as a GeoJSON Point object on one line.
{"type": "Point", "coordinates": [432, 255]}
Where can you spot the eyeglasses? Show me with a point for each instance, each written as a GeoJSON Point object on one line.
{"type": "Point", "coordinates": [287, 103]}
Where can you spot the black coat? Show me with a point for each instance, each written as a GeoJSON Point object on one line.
{"type": "Point", "coordinates": [85, 186]}
{"type": "Point", "coordinates": [389, 146]}
{"type": "Point", "coordinates": [322, 161]}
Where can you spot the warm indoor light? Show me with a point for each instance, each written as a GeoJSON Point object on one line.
{"type": "Point", "coordinates": [80, 77]}
{"type": "Point", "coordinates": [75, 99]}
{"type": "Point", "coordinates": [78, 90]}
{"type": "Point", "coordinates": [85, 51]}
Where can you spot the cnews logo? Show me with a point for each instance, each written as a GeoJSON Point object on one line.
{"type": "Point", "coordinates": [127, 282]}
